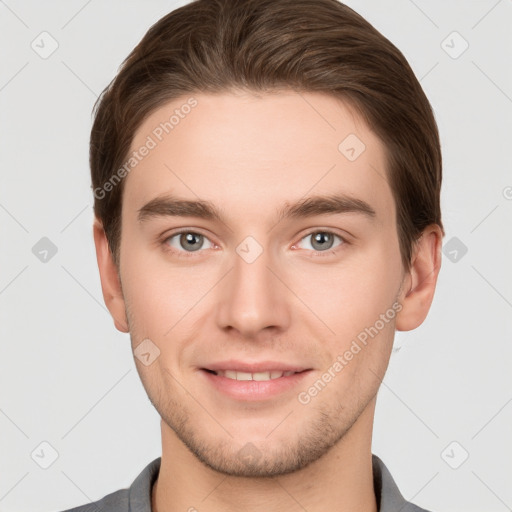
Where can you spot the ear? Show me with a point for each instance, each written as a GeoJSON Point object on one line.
{"type": "Point", "coordinates": [110, 283]}
{"type": "Point", "coordinates": [419, 282]}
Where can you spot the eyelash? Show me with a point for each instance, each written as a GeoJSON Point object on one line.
{"type": "Point", "coordinates": [314, 254]}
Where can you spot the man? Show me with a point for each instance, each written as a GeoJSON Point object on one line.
{"type": "Point", "coordinates": [266, 176]}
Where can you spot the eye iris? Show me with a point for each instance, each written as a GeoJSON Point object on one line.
{"type": "Point", "coordinates": [322, 238]}
{"type": "Point", "coordinates": [191, 238]}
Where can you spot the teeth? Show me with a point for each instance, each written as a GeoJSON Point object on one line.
{"type": "Point", "coordinates": [259, 376]}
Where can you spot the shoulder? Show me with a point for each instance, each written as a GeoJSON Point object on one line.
{"type": "Point", "coordinates": [136, 497]}
{"type": "Point", "coordinates": [117, 501]}
{"type": "Point", "coordinates": [389, 497]}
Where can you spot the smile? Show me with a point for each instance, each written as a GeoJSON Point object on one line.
{"type": "Point", "coordinates": [253, 386]}
{"type": "Point", "coordinates": [259, 376]}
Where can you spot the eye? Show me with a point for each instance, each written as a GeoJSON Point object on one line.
{"type": "Point", "coordinates": [188, 241]}
{"type": "Point", "coordinates": [322, 240]}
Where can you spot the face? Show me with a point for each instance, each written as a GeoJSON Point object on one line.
{"type": "Point", "coordinates": [256, 237]}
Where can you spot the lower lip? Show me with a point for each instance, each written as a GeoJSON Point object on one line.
{"type": "Point", "coordinates": [252, 390]}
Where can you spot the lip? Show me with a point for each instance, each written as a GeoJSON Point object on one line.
{"type": "Point", "coordinates": [253, 390]}
{"type": "Point", "coordinates": [255, 367]}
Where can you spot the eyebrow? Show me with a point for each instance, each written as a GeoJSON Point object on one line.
{"type": "Point", "coordinates": [171, 206]}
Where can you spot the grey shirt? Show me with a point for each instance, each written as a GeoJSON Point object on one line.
{"type": "Point", "coordinates": [137, 498]}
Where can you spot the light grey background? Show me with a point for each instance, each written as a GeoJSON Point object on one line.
{"type": "Point", "coordinates": [68, 378]}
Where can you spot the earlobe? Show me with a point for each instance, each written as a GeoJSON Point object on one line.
{"type": "Point", "coordinates": [420, 282]}
{"type": "Point", "coordinates": [110, 283]}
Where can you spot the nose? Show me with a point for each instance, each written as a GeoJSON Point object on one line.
{"type": "Point", "coordinates": [252, 297]}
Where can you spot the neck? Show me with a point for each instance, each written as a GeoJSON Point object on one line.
{"type": "Point", "coordinates": [340, 480]}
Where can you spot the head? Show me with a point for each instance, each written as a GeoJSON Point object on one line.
{"type": "Point", "coordinates": [235, 136]}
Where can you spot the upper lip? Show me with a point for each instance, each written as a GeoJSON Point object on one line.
{"type": "Point", "coordinates": [260, 366]}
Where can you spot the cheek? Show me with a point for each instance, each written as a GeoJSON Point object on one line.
{"type": "Point", "coordinates": [349, 296]}
{"type": "Point", "coordinates": [161, 294]}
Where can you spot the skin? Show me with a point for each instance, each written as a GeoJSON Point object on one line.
{"type": "Point", "coordinates": [251, 155]}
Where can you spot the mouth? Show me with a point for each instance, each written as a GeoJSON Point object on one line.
{"type": "Point", "coordinates": [257, 385]}
{"type": "Point", "coordinates": [258, 376]}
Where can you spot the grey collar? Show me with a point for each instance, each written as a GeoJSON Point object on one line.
{"type": "Point", "coordinates": [389, 498]}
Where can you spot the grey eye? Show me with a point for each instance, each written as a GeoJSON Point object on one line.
{"type": "Point", "coordinates": [188, 241]}
{"type": "Point", "coordinates": [192, 241]}
{"type": "Point", "coordinates": [321, 240]}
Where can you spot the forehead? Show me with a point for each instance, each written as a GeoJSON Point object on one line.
{"type": "Point", "coordinates": [253, 151]}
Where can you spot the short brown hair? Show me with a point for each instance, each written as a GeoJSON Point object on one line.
{"type": "Point", "coordinates": [264, 45]}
